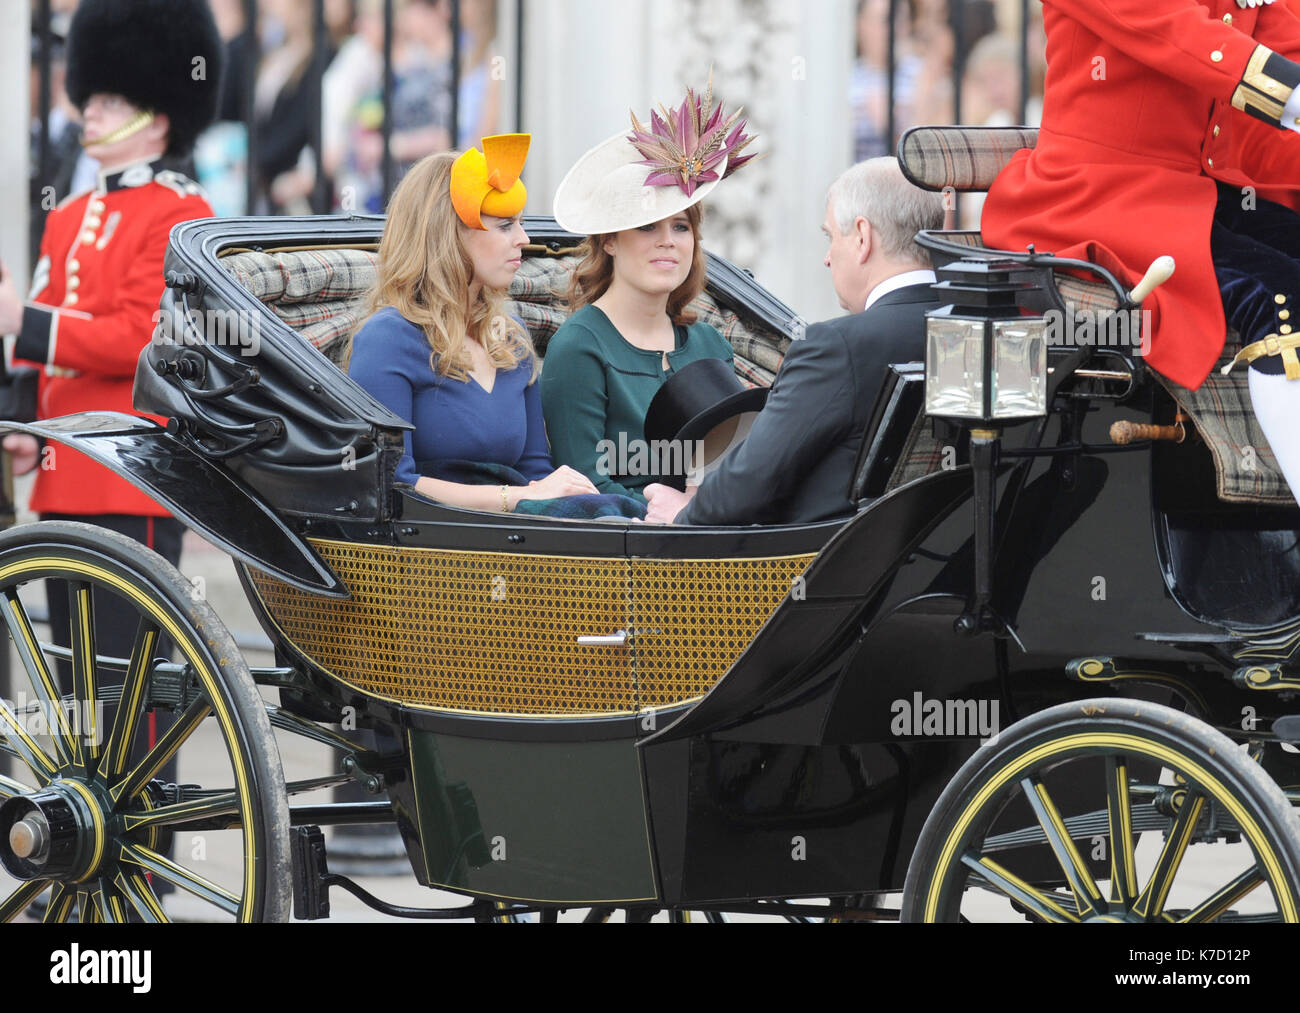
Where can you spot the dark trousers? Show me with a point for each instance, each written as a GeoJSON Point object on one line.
{"type": "Point", "coordinates": [1256, 251]}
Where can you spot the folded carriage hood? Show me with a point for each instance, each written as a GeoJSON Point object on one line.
{"type": "Point", "coordinates": [207, 498]}
{"type": "Point", "coordinates": [795, 642]}
{"type": "Point", "coordinates": [261, 402]}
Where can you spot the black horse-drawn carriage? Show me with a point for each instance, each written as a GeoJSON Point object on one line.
{"type": "Point", "coordinates": [567, 714]}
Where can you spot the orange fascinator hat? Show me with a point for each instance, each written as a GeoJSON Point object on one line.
{"type": "Point", "coordinates": [487, 182]}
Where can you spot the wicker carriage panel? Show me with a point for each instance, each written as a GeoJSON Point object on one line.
{"type": "Point", "coordinates": [496, 633]}
{"type": "Point", "coordinates": [694, 617]}
{"type": "Point", "coordinates": [470, 631]}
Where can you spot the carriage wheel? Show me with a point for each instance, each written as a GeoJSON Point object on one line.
{"type": "Point", "coordinates": [85, 821]}
{"type": "Point", "coordinates": [1104, 810]}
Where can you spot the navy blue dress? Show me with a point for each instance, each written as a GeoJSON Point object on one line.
{"type": "Point", "coordinates": [455, 420]}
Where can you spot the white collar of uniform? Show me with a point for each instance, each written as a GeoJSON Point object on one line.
{"type": "Point", "coordinates": [1243, 4]}
{"type": "Point", "coordinates": [921, 277]}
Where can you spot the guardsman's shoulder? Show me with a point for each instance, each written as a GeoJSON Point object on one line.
{"type": "Point", "coordinates": [179, 184]}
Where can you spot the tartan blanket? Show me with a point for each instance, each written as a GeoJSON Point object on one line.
{"type": "Point", "coordinates": [1245, 467]}
{"type": "Point", "coordinates": [320, 293]}
{"type": "Point", "coordinates": [581, 508]}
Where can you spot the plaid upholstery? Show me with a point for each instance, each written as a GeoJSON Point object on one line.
{"type": "Point", "coordinates": [305, 276]}
{"type": "Point", "coordinates": [964, 158]}
{"type": "Point", "coordinates": [1246, 470]}
{"type": "Point", "coordinates": [1093, 297]}
{"type": "Point", "coordinates": [922, 454]}
{"type": "Point", "coordinates": [319, 293]}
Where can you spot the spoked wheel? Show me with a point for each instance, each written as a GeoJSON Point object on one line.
{"type": "Point", "coordinates": [86, 823]}
{"type": "Point", "coordinates": [1108, 811]}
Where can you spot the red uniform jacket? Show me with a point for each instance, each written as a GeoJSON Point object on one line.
{"type": "Point", "coordinates": [1147, 103]}
{"type": "Point", "coordinates": [92, 311]}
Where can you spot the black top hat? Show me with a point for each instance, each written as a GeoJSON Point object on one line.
{"type": "Point", "coordinates": [706, 407]}
{"type": "Point", "coordinates": [160, 55]}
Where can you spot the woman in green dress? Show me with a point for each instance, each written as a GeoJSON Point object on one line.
{"type": "Point", "coordinates": [631, 328]}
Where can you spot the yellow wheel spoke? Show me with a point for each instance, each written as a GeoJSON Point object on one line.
{"type": "Point", "coordinates": [1225, 897]}
{"type": "Point", "coordinates": [1151, 903]}
{"type": "Point", "coordinates": [10, 787]}
{"type": "Point", "coordinates": [61, 904]}
{"type": "Point", "coordinates": [135, 888]}
{"type": "Point", "coordinates": [117, 750]}
{"type": "Point", "coordinates": [1123, 865]}
{"type": "Point", "coordinates": [16, 903]}
{"type": "Point", "coordinates": [166, 747]}
{"type": "Point", "coordinates": [182, 812]}
{"type": "Point", "coordinates": [186, 880]}
{"type": "Point", "coordinates": [33, 660]}
{"type": "Point", "coordinates": [81, 608]}
{"type": "Point", "coordinates": [110, 905]}
{"type": "Point", "coordinates": [1086, 895]}
{"type": "Point", "coordinates": [1039, 903]}
{"type": "Point", "coordinates": [24, 746]}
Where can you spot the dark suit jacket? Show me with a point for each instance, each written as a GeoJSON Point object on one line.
{"type": "Point", "coordinates": [796, 465]}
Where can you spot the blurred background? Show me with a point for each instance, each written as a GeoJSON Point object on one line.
{"type": "Point", "coordinates": [326, 103]}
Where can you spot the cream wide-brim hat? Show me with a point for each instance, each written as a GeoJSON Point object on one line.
{"type": "Point", "coordinates": [605, 192]}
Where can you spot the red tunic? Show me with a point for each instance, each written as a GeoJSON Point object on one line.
{"type": "Point", "coordinates": [101, 270]}
{"type": "Point", "coordinates": [1138, 123]}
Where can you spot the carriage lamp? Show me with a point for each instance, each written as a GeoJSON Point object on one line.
{"type": "Point", "coordinates": [985, 367]}
{"type": "Point", "coordinates": [985, 362]}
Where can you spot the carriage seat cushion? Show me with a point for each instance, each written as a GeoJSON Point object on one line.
{"type": "Point", "coordinates": [965, 159]}
{"type": "Point", "coordinates": [320, 294]}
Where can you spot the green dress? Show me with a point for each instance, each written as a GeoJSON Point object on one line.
{"type": "Point", "coordinates": [596, 387]}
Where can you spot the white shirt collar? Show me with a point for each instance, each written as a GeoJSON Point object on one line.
{"type": "Point", "coordinates": [920, 277]}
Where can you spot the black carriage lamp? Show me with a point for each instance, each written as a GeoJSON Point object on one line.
{"type": "Point", "coordinates": [985, 368]}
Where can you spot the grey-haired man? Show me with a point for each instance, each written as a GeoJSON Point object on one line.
{"type": "Point", "coordinates": [796, 465]}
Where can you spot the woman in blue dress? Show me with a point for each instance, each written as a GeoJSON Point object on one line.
{"type": "Point", "coordinates": [439, 348]}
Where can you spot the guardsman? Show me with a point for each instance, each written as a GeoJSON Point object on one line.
{"type": "Point", "coordinates": [1165, 125]}
{"type": "Point", "coordinates": [145, 74]}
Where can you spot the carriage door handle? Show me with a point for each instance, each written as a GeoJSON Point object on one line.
{"type": "Point", "coordinates": [619, 639]}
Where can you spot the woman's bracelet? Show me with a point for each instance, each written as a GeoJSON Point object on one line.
{"type": "Point", "coordinates": [505, 499]}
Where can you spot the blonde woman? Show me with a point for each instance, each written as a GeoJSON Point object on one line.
{"type": "Point", "coordinates": [439, 348]}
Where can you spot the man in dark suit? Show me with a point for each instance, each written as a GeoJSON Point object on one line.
{"type": "Point", "coordinates": [797, 462]}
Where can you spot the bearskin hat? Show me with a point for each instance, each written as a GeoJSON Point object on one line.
{"type": "Point", "coordinates": [160, 55]}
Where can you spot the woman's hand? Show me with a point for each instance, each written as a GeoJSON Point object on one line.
{"type": "Point", "coordinates": [563, 481]}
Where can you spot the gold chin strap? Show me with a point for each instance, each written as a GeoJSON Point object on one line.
{"type": "Point", "coordinates": [132, 126]}
{"type": "Point", "coordinates": [1284, 345]}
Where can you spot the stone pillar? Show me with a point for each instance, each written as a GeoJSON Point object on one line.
{"type": "Point", "coordinates": [15, 126]}
{"type": "Point", "coordinates": [588, 62]}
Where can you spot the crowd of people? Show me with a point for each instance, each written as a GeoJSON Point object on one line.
{"type": "Point", "coordinates": [351, 111]}
{"type": "Point", "coordinates": [283, 98]}
{"type": "Point", "coordinates": [933, 40]}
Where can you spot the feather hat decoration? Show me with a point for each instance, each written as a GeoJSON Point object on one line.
{"type": "Point", "coordinates": [689, 151]}
{"type": "Point", "coordinates": [692, 144]}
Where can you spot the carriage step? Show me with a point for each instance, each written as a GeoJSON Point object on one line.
{"type": "Point", "coordinates": [311, 892]}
